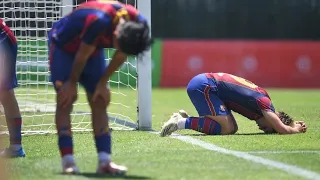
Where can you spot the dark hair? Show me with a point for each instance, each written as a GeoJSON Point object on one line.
{"type": "Point", "coordinates": [285, 118]}
{"type": "Point", "coordinates": [134, 37]}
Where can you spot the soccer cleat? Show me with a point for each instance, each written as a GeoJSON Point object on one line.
{"type": "Point", "coordinates": [171, 125]}
{"type": "Point", "coordinates": [70, 168]}
{"type": "Point", "coordinates": [183, 113]}
{"type": "Point", "coordinates": [111, 168]}
{"type": "Point", "coordinates": [11, 153]}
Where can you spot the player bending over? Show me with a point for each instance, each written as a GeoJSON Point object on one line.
{"type": "Point", "coordinates": [8, 81]}
{"type": "Point", "coordinates": [76, 52]}
{"type": "Point", "coordinates": [214, 95]}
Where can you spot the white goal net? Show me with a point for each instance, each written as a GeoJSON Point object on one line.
{"type": "Point", "coordinates": [30, 20]}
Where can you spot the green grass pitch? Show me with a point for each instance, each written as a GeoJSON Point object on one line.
{"type": "Point", "coordinates": [149, 156]}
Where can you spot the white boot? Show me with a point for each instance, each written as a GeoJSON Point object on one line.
{"type": "Point", "coordinates": [69, 166]}
{"type": "Point", "coordinates": [171, 125]}
{"type": "Point", "coordinates": [183, 113]}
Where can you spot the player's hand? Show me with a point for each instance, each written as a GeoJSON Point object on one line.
{"type": "Point", "coordinates": [67, 94]}
{"type": "Point", "coordinates": [301, 126]}
{"type": "Point", "coordinates": [102, 91]}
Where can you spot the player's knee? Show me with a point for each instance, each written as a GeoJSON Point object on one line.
{"type": "Point", "coordinates": [98, 104]}
{"type": "Point", "coordinates": [66, 106]}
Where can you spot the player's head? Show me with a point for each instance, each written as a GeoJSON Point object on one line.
{"type": "Point", "coordinates": [285, 118]}
{"type": "Point", "coordinates": [132, 37]}
{"type": "Point", "coordinates": [267, 128]}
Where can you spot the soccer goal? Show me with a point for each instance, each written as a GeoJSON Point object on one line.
{"type": "Point", "coordinates": [30, 21]}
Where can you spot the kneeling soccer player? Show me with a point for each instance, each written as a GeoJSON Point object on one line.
{"type": "Point", "coordinates": [8, 81]}
{"type": "Point", "coordinates": [214, 95]}
{"type": "Point", "coordinates": [76, 53]}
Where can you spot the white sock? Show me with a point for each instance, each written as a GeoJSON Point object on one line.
{"type": "Point", "coordinates": [104, 157]}
{"type": "Point", "coordinates": [182, 123]}
{"type": "Point", "coordinates": [15, 147]}
{"type": "Point", "coordinates": [68, 159]}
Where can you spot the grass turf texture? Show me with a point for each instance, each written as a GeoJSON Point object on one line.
{"type": "Point", "coordinates": [149, 156]}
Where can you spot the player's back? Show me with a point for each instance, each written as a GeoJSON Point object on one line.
{"type": "Point", "coordinates": [241, 95]}
{"type": "Point", "coordinates": [68, 32]}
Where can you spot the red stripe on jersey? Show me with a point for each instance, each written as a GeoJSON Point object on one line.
{"type": "Point", "coordinates": [264, 103]}
{"type": "Point", "coordinates": [110, 8]}
{"type": "Point", "coordinates": [101, 6]}
{"type": "Point", "coordinates": [235, 80]}
{"type": "Point", "coordinates": [89, 20]}
{"type": "Point", "coordinates": [195, 123]}
{"type": "Point", "coordinates": [8, 31]}
{"type": "Point", "coordinates": [206, 125]}
{"type": "Point", "coordinates": [132, 11]}
{"type": "Point", "coordinates": [207, 97]}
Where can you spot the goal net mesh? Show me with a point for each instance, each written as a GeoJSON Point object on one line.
{"type": "Point", "coordinates": [30, 21]}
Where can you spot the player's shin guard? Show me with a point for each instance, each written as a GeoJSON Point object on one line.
{"type": "Point", "coordinates": [204, 125]}
{"type": "Point", "coordinates": [103, 145]}
{"type": "Point", "coordinates": [14, 127]}
{"type": "Point", "coordinates": [65, 141]}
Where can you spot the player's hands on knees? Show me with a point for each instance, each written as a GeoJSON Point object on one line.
{"type": "Point", "coordinates": [301, 126]}
{"type": "Point", "coordinates": [67, 94]}
{"type": "Point", "coordinates": [102, 91]}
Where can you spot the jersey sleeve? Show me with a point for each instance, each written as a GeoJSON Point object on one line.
{"type": "Point", "coordinates": [134, 14]}
{"type": "Point", "coordinates": [94, 27]}
{"type": "Point", "coordinates": [265, 104]}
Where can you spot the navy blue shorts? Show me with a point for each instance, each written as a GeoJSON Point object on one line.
{"type": "Point", "coordinates": [203, 95]}
{"type": "Point", "coordinates": [8, 59]}
{"type": "Point", "coordinates": [61, 64]}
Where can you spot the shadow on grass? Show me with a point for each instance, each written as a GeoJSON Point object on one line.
{"type": "Point", "coordinates": [249, 134]}
{"type": "Point", "coordinates": [238, 134]}
{"type": "Point", "coordinates": [102, 176]}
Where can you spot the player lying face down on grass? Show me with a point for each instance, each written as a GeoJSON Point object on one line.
{"type": "Point", "coordinates": [215, 95]}
{"type": "Point", "coordinates": [76, 50]}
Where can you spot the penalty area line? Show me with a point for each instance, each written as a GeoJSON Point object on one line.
{"type": "Point", "coordinates": [291, 169]}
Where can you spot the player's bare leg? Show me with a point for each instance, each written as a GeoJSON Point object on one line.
{"type": "Point", "coordinates": [102, 136]}
{"type": "Point", "coordinates": [14, 122]}
{"type": "Point", "coordinates": [211, 125]}
{"type": "Point", "coordinates": [63, 125]}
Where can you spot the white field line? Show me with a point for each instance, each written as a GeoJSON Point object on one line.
{"type": "Point", "coordinates": [256, 159]}
{"type": "Point", "coordinates": [285, 152]}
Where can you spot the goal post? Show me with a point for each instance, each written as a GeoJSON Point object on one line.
{"type": "Point", "coordinates": [131, 86]}
{"type": "Point", "coordinates": [145, 76]}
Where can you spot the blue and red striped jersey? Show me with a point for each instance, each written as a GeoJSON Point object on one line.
{"type": "Point", "coordinates": [92, 22]}
{"type": "Point", "coordinates": [5, 32]}
{"type": "Point", "coordinates": [241, 95]}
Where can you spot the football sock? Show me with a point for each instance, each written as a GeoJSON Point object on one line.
{"type": "Point", "coordinates": [103, 145]}
{"type": "Point", "coordinates": [65, 141]}
{"type": "Point", "coordinates": [204, 125]}
{"type": "Point", "coordinates": [14, 127]}
{"type": "Point", "coordinates": [68, 160]}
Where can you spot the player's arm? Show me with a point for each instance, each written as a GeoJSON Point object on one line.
{"type": "Point", "coordinates": [82, 55]}
{"type": "Point", "coordinates": [117, 60]}
{"type": "Point", "coordinates": [94, 27]}
{"type": "Point", "coordinates": [277, 124]}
